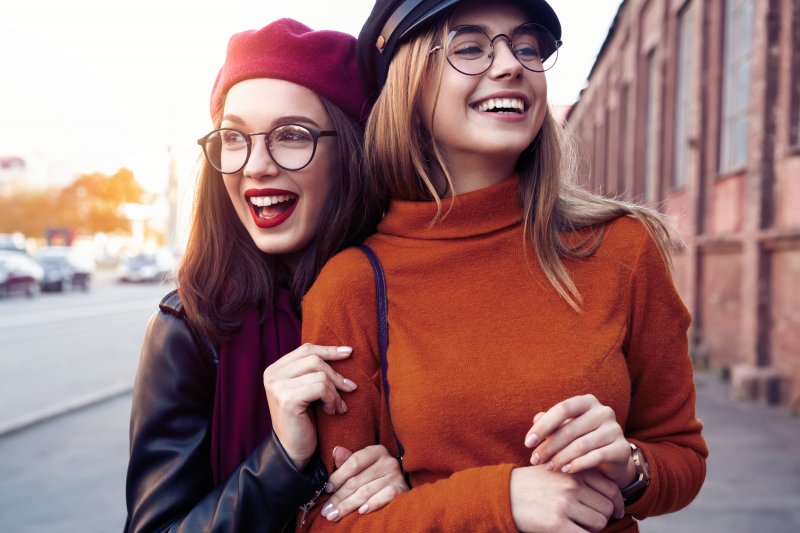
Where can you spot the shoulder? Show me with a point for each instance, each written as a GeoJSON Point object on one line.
{"type": "Point", "coordinates": [170, 335]}
{"type": "Point", "coordinates": [346, 276]}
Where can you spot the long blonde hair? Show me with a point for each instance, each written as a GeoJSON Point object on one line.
{"type": "Point", "coordinates": [402, 157]}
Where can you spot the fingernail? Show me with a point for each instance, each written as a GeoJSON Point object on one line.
{"type": "Point", "coordinates": [550, 465]}
{"type": "Point", "coordinates": [344, 407]}
{"type": "Point", "coordinates": [531, 440]}
{"type": "Point", "coordinates": [328, 487]}
{"type": "Point", "coordinates": [363, 509]}
{"type": "Point", "coordinates": [334, 450]}
{"type": "Point", "coordinates": [349, 384]}
{"type": "Point", "coordinates": [619, 515]}
{"type": "Point", "coordinates": [535, 459]}
{"type": "Point", "coordinates": [328, 409]}
{"type": "Point", "coordinates": [327, 509]}
{"type": "Point", "coordinates": [344, 350]}
{"type": "Point", "coordinates": [334, 515]}
{"type": "Point", "coordinates": [566, 468]}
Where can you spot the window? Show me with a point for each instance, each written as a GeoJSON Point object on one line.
{"type": "Point", "coordinates": [651, 134]}
{"type": "Point", "coordinates": [736, 84]}
{"type": "Point", "coordinates": [684, 97]}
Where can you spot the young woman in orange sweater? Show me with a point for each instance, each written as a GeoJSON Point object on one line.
{"type": "Point", "coordinates": [537, 372]}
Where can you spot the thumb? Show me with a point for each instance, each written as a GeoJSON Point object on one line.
{"type": "Point", "coordinates": [340, 455]}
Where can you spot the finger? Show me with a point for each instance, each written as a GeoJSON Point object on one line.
{"type": "Point", "coordinates": [600, 438]}
{"type": "Point", "coordinates": [614, 453]}
{"type": "Point", "coordinates": [309, 364]}
{"type": "Point", "coordinates": [329, 353]}
{"type": "Point", "coordinates": [556, 415]}
{"type": "Point", "coordinates": [586, 514]}
{"type": "Point", "coordinates": [359, 462]}
{"type": "Point", "coordinates": [340, 455]}
{"type": "Point", "coordinates": [608, 489]}
{"type": "Point", "coordinates": [382, 498]}
{"type": "Point", "coordinates": [568, 432]}
{"type": "Point", "coordinates": [301, 391]}
{"type": "Point", "coordinates": [359, 498]}
{"type": "Point", "coordinates": [531, 439]}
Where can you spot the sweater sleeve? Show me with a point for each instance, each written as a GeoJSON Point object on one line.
{"type": "Point", "coordinates": [475, 499]}
{"type": "Point", "coordinates": [169, 482]}
{"type": "Point", "coordinates": [662, 419]}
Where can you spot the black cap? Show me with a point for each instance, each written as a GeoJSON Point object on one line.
{"type": "Point", "coordinates": [393, 21]}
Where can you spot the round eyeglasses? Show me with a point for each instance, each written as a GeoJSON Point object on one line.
{"type": "Point", "coordinates": [291, 146]}
{"type": "Point", "coordinates": [471, 51]}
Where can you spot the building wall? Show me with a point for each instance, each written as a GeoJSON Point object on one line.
{"type": "Point", "coordinates": [660, 125]}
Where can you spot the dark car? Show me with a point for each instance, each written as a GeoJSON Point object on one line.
{"type": "Point", "coordinates": [64, 269]}
{"type": "Point", "coordinates": [19, 274]}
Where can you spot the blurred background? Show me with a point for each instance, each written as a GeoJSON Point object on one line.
{"type": "Point", "coordinates": [690, 106]}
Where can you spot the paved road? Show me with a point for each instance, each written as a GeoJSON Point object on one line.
{"type": "Point", "coordinates": [61, 350]}
{"type": "Point", "coordinates": [68, 474]}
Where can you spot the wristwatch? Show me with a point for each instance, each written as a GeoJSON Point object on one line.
{"type": "Point", "coordinates": [632, 492]}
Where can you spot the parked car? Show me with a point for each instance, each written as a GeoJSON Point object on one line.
{"type": "Point", "coordinates": [19, 274]}
{"type": "Point", "coordinates": [157, 266]}
{"type": "Point", "coordinates": [65, 269]}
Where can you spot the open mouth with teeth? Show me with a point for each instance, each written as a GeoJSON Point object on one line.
{"type": "Point", "coordinates": [269, 207]}
{"type": "Point", "coordinates": [501, 105]}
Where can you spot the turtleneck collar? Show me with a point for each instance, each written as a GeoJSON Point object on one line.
{"type": "Point", "coordinates": [470, 214]}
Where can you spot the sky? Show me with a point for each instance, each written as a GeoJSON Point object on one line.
{"type": "Point", "coordinates": [95, 85]}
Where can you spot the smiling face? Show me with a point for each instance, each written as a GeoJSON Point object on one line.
{"type": "Point", "coordinates": [279, 208]}
{"type": "Point", "coordinates": [485, 120]}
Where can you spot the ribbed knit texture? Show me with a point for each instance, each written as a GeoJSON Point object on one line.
{"type": "Point", "coordinates": [479, 342]}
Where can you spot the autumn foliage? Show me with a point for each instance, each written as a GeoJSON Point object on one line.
{"type": "Point", "coordinates": [91, 203]}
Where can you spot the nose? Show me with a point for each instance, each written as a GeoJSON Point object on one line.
{"type": "Point", "coordinates": [504, 63]}
{"type": "Point", "coordinates": [260, 165]}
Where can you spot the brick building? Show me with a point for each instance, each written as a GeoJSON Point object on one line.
{"type": "Point", "coordinates": [694, 107]}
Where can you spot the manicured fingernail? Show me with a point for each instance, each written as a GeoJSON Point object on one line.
{"type": "Point", "coordinates": [333, 515]}
{"type": "Point", "coordinates": [327, 509]}
{"type": "Point", "coordinates": [549, 465]}
{"type": "Point", "coordinates": [363, 509]}
{"type": "Point", "coordinates": [531, 440]}
{"type": "Point", "coordinates": [344, 350]}
{"type": "Point", "coordinates": [535, 459]}
{"type": "Point", "coordinates": [619, 515]}
{"type": "Point", "coordinates": [344, 407]}
{"type": "Point", "coordinates": [349, 384]}
{"type": "Point", "coordinates": [566, 468]}
{"type": "Point", "coordinates": [328, 487]}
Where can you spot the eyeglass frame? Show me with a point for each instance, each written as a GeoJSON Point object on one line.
{"type": "Point", "coordinates": [315, 135]}
{"type": "Point", "coordinates": [451, 34]}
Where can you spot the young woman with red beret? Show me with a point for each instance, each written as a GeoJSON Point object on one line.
{"type": "Point", "coordinates": [220, 437]}
{"type": "Point", "coordinates": [537, 375]}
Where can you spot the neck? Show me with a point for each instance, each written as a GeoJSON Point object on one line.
{"type": "Point", "coordinates": [472, 172]}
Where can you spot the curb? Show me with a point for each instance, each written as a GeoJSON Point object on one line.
{"type": "Point", "coordinates": [49, 413]}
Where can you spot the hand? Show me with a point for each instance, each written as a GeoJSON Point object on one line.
{"type": "Point", "coordinates": [366, 480]}
{"type": "Point", "coordinates": [578, 434]}
{"type": "Point", "coordinates": [292, 383]}
{"type": "Point", "coordinates": [543, 501]}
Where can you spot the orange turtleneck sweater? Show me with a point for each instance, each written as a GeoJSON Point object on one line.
{"type": "Point", "coordinates": [479, 342]}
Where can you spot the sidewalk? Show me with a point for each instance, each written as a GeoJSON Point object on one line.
{"type": "Point", "coordinates": [753, 480]}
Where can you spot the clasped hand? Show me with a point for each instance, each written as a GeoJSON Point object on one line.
{"type": "Point", "coordinates": [580, 460]}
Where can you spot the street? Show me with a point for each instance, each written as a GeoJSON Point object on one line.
{"type": "Point", "coordinates": [67, 473]}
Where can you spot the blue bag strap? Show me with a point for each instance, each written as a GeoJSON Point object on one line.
{"type": "Point", "coordinates": [383, 331]}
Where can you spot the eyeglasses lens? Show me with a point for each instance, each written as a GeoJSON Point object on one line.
{"type": "Point", "coordinates": [469, 49]}
{"type": "Point", "coordinates": [290, 146]}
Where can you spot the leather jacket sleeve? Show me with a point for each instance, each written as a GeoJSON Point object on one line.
{"type": "Point", "coordinates": [169, 482]}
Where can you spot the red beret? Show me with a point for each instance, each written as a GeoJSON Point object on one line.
{"type": "Point", "coordinates": [323, 61]}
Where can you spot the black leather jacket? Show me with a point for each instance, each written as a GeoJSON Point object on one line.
{"type": "Point", "coordinates": [169, 485]}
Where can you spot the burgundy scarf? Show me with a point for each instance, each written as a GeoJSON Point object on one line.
{"type": "Point", "coordinates": [241, 418]}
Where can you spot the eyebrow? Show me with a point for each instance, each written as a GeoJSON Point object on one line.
{"type": "Point", "coordinates": [280, 121]}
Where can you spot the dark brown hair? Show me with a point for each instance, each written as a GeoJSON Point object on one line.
{"type": "Point", "coordinates": [223, 272]}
